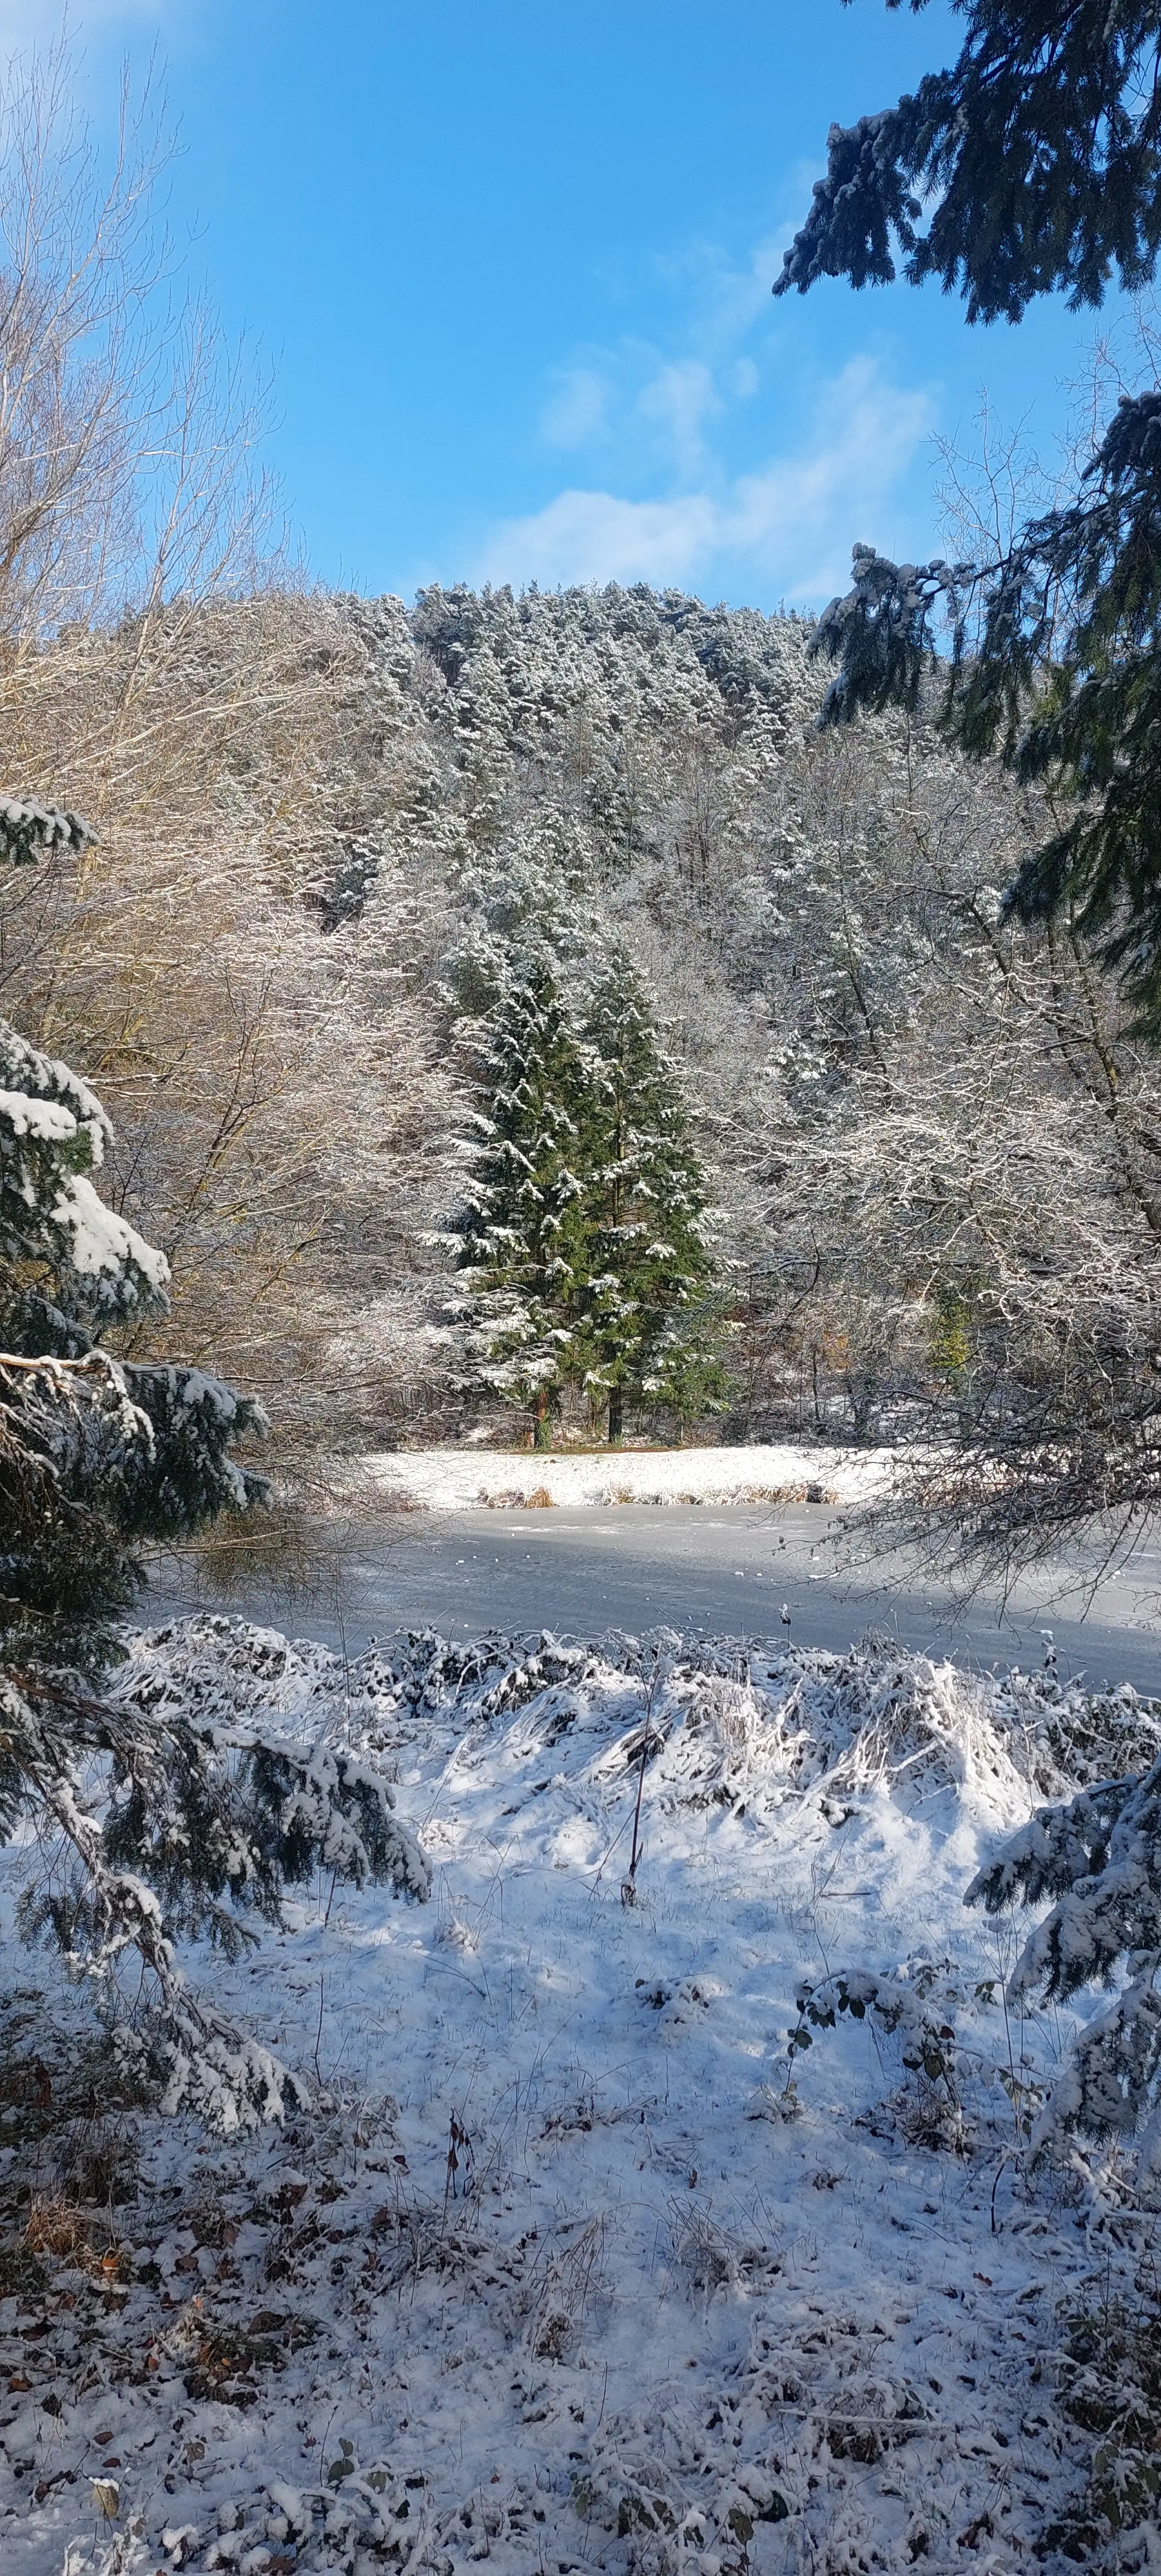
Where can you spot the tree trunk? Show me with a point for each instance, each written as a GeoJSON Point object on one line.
{"type": "Point", "coordinates": [616, 1415]}
{"type": "Point", "coordinates": [542, 1430]}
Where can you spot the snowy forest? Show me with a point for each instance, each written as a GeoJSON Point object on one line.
{"type": "Point", "coordinates": [442, 2075]}
{"type": "Point", "coordinates": [330, 836]}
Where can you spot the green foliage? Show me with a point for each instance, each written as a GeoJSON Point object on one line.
{"type": "Point", "coordinates": [522, 1236]}
{"type": "Point", "coordinates": [928, 2038]}
{"type": "Point", "coordinates": [1034, 161]}
{"type": "Point", "coordinates": [96, 1454]}
{"type": "Point", "coordinates": [218, 1824]}
{"type": "Point", "coordinates": [1109, 2379]}
{"type": "Point", "coordinates": [882, 634]}
{"type": "Point", "coordinates": [28, 829]}
{"type": "Point", "coordinates": [67, 1263]}
{"type": "Point", "coordinates": [1097, 1861]}
{"type": "Point", "coordinates": [951, 1333]}
{"type": "Point", "coordinates": [582, 1239]}
{"type": "Point", "coordinates": [652, 1325]}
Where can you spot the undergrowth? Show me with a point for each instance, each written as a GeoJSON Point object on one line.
{"type": "Point", "coordinates": [1109, 2385]}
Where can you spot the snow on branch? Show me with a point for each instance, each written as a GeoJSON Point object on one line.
{"type": "Point", "coordinates": [28, 829]}
{"type": "Point", "coordinates": [1099, 1856]}
{"type": "Point", "coordinates": [53, 1134]}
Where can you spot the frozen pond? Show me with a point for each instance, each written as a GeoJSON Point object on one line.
{"type": "Point", "coordinates": [717, 1572]}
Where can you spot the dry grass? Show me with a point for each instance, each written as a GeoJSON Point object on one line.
{"type": "Point", "coordinates": [59, 2227]}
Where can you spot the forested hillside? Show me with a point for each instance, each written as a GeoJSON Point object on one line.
{"type": "Point", "coordinates": [329, 830]}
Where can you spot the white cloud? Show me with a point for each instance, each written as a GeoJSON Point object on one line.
{"type": "Point", "coordinates": [602, 397]}
{"type": "Point", "coordinates": [724, 300]}
{"type": "Point", "coordinates": [665, 487]}
{"type": "Point", "coordinates": [37, 22]}
{"type": "Point", "coordinates": [677, 400]}
{"type": "Point", "coordinates": [592, 536]}
{"type": "Point", "coordinates": [577, 412]}
{"type": "Point", "coordinates": [787, 527]}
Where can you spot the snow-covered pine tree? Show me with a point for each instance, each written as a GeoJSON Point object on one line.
{"type": "Point", "coordinates": [521, 1237]}
{"type": "Point", "coordinates": [151, 1823]}
{"type": "Point", "coordinates": [1099, 1859]}
{"type": "Point", "coordinates": [96, 1454]}
{"type": "Point", "coordinates": [653, 1328]}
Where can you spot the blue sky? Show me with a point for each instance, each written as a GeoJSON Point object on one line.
{"type": "Point", "coordinates": [511, 261]}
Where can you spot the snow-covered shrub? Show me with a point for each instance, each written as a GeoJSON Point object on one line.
{"type": "Point", "coordinates": [913, 2007]}
{"type": "Point", "coordinates": [97, 1454]}
{"type": "Point", "coordinates": [639, 2484]}
{"type": "Point", "coordinates": [1098, 1858]}
{"type": "Point", "coordinates": [745, 1731]}
{"type": "Point", "coordinates": [1109, 2385]}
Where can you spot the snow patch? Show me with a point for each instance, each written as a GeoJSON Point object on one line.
{"type": "Point", "coordinates": [458, 1480]}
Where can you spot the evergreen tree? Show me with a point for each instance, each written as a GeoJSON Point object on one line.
{"type": "Point", "coordinates": [1035, 159]}
{"type": "Point", "coordinates": [97, 1454]}
{"type": "Point", "coordinates": [651, 1328]}
{"type": "Point", "coordinates": [522, 1235]}
{"type": "Point", "coordinates": [153, 1823]}
{"type": "Point", "coordinates": [1038, 160]}
{"type": "Point", "coordinates": [1054, 664]}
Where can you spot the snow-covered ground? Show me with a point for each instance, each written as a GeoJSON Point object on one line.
{"type": "Point", "coordinates": [569, 2266]}
{"type": "Point", "coordinates": [457, 1480]}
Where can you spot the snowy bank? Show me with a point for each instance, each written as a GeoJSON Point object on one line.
{"type": "Point", "coordinates": [572, 2266]}
{"type": "Point", "coordinates": [462, 1480]}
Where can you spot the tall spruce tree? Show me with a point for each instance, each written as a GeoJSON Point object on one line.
{"type": "Point", "coordinates": [652, 1323]}
{"type": "Point", "coordinates": [522, 1235]}
{"type": "Point", "coordinates": [150, 1822]}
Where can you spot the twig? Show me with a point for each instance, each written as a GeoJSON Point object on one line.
{"type": "Point", "coordinates": [629, 1885]}
{"type": "Point", "coordinates": [322, 1984]}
